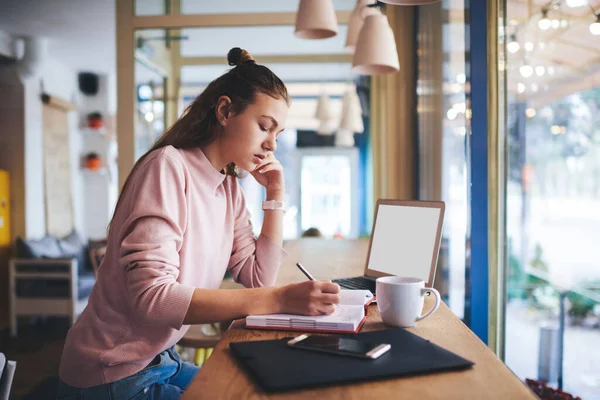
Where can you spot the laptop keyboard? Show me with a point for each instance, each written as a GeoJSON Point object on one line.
{"type": "Point", "coordinates": [358, 282]}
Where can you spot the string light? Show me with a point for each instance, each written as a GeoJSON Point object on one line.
{"type": "Point", "coordinates": [526, 70]}
{"type": "Point", "coordinates": [544, 23]}
{"type": "Point", "coordinates": [540, 70]}
{"type": "Point", "coordinates": [513, 46]}
{"type": "Point", "coordinates": [595, 26]}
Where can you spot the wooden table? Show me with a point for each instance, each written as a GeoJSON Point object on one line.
{"type": "Point", "coordinates": [221, 377]}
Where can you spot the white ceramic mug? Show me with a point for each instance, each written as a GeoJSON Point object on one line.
{"type": "Point", "coordinates": [400, 300]}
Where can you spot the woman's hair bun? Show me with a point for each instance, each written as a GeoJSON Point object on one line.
{"type": "Point", "coordinates": [237, 56]}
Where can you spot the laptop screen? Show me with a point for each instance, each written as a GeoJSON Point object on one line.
{"type": "Point", "coordinates": [403, 240]}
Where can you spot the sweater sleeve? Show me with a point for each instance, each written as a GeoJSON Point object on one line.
{"type": "Point", "coordinates": [151, 239]}
{"type": "Point", "coordinates": [254, 262]}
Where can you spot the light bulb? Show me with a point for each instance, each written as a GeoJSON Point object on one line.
{"type": "Point", "coordinates": [526, 71]}
{"type": "Point", "coordinates": [529, 46]}
{"type": "Point", "coordinates": [520, 87]}
{"type": "Point", "coordinates": [540, 70]}
{"type": "Point", "coordinates": [576, 3]}
{"type": "Point", "coordinates": [530, 112]}
{"type": "Point", "coordinates": [544, 23]}
{"type": "Point", "coordinates": [451, 114]}
{"type": "Point", "coordinates": [595, 27]}
{"type": "Point", "coordinates": [513, 47]}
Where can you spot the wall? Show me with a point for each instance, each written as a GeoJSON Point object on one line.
{"type": "Point", "coordinates": [60, 81]}
{"type": "Point", "coordinates": [6, 49]}
{"type": "Point", "coordinates": [21, 153]}
{"type": "Point", "coordinates": [100, 188]}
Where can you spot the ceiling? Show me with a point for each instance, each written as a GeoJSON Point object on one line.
{"type": "Point", "coordinates": [81, 33]}
{"type": "Point", "coordinates": [567, 56]}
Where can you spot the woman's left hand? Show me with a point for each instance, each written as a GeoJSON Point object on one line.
{"type": "Point", "coordinates": [269, 173]}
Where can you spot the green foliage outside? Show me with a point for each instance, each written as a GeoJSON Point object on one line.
{"type": "Point", "coordinates": [524, 286]}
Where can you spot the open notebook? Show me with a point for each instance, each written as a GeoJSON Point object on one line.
{"type": "Point", "coordinates": [348, 316]}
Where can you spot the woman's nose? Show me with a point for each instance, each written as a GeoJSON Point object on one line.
{"type": "Point", "coordinates": [270, 145]}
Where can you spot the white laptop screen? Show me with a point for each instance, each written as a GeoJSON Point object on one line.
{"type": "Point", "coordinates": [403, 240]}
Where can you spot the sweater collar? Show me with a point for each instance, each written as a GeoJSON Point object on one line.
{"type": "Point", "coordinates": [213, 177]}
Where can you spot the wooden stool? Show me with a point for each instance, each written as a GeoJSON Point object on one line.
{"type": "Point", "coordinates": [203, 338]}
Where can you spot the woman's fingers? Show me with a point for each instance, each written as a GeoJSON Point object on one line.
{"type": "Point", "coordinates": [329, 287]}
{"type": "Point", "coordinates": [329, 298]}
{"type": "Point", "coordinates": [327, 309]}
{"type": "Point", "coordinates": [274, 165]}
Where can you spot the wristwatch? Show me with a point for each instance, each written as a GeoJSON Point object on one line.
{"type": "Point", "coordinates": [273, 205]}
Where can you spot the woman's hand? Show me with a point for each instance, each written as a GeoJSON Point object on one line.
{"type": "Point", "coordinates": [269, 173]}
{"type": "Point", "coordinates": [309, 298]}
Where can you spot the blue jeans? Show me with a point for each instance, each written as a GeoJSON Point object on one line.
{"type": "Point", "coordinates": [166, 377]}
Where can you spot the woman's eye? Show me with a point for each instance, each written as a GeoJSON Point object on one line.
{"type": "Point", "coordinates": [262, 128]}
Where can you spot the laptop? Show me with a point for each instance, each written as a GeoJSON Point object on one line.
{"type": "Point", "coordinates": [405, 241]}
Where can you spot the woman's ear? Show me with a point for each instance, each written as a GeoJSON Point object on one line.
{"type": "Point", "coordinates": [223, 109]}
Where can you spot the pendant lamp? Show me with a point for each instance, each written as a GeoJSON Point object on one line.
{"type": "Point", "coordinates": [376, 51]}
{"type": "Point", "coordinates": [323, 114]}
{"type": "Point", "coordinates": [351, 121]}
{"type": "Point", "coordinates": [355, 23]}
{"type": "Point", "coordinates": [316, 19]}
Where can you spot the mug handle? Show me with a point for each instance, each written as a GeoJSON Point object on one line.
{"type": "Point", "coordinates": [435, 306]}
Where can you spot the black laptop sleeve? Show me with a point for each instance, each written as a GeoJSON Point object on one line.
{"type": "Point", "coordinates": [277, 367]}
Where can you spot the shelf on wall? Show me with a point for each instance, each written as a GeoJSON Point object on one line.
{"type": "Point", "coordinates": [93, 131]}
{"type": "Point", "coordinates": [99, 171]}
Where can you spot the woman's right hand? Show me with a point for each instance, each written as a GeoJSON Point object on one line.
{"type": "Point", "coordinates": [309, 298]}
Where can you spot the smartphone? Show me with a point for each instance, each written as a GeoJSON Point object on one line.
{"type": "Point", "coordinates": [340, 345]}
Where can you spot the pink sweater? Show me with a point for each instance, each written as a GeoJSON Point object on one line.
{"type": "Point", "coordinates": [181, 225]}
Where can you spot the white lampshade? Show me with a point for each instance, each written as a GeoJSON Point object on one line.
{"type": "Point", "coordinates": [376, 51]}
{"type": "Point", "coordinates": [357, 18]}
{"type": "Point", "coordinates": [351, 112]}
{"type": "Point", "coordinates": [344, 138]}
{"type": "Point", "coordinates": [323, 108]}
{"type": "Point", "coordinates": [410, 2]}
{"type": "Point", "coordinates": [324, 115]}
{"type": "Point", "coordinates": [316, 19]}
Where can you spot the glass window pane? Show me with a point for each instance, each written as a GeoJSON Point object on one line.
{"type": "Point", "coordinates": [553, 197]}
{"type": "Point", "coordinates": [258, 40]}
{"type": "Point", "coordinates": [289, 73]}
{"type": "Point", "coordinates": [326, 194]}
{"type": "Point", "coordinates": [250, 7]}
{"type": "Point", "coordinates": [150, 7]}
{"type": "Point", "coordinates": [442, 107]}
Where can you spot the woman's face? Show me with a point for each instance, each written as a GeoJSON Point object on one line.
{"type": "Point", "coordinates": [251, 135]}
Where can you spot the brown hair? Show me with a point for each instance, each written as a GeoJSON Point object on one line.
{"type": "Point", "coordinates": [198, 125]}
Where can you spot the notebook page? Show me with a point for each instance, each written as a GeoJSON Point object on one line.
{"type": "Point", "coordinates": [355, 297]}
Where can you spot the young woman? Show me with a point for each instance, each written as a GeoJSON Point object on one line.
{"type": "Point", "coordinates": [180, 223]}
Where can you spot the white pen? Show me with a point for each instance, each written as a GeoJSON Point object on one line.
{"type": "Point", "coordinates": [305, 272]}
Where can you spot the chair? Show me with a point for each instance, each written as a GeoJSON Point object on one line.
{"type": "Point", "coordinates": [49, 277]}
{"type": "Point", "coordinates": [97, 250]}
{"type": "Point", "coordinates": [7, 374]}
{"type": "Point", "coordinates": [203, 338]}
